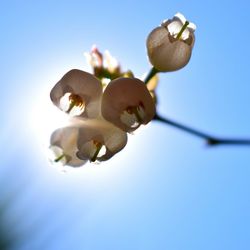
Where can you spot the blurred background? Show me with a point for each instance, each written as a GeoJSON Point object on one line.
{"type": "Point", "coordinates": [166, 189]}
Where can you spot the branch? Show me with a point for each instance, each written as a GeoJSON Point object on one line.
{"type": "Point", "coordinates": [211, 140]}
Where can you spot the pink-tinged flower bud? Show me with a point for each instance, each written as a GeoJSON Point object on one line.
{"type": "Point", "coordinates": [63, 147]}
{"type": "Point", "coordinates": [169, 46]}
{"type": "Point", "coordinates": [78, 93]}
{"type": "Point", "coordinates": [94, 58]}
{"type": "Point", "coordinates": [99, 140]}
{"type": "Point", "coordinates": [127, 104]}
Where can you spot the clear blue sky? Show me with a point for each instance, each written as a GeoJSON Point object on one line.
{"type": "Point", "coordinates": [166, 189]}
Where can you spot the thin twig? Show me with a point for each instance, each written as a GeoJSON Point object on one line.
{"type": "Point", "coordinates": [211, 140]}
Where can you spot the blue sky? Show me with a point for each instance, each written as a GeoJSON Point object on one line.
{"type": "Point", "coordinates": [166, 189]}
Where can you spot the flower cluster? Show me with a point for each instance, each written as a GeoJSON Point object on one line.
{"type": "Point", "coordinates": [106, 105]}
{"type": "Point", "coordinates": [99, 120]}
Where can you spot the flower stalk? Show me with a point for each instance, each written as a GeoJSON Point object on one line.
{"type": "Point", "coordinates": [153, 71]}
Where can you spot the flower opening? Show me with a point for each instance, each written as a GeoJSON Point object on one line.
{"type": "Point", "coordinates": [72, 104]}
{"type": "Point", "coordinates": [133, 116]}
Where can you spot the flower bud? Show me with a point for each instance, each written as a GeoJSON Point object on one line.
{"type": "Point", "coordinates": [78, 93]}
{"type": "Point", "coordinates": [169, 46]}
{"type": "Point", "coordinates": [94, 58]}
{"type": "Point", "coordinates": [127, 104]}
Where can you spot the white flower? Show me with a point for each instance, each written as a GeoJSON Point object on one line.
{"type": "Point", "coordinates": [99, 140]}
{"type": "Point", "coordinates": [127, 104]}
{"type": "Point", "coordinates": [169, 46]}
{"type": "Point", "coordinates": [78, 93]}
{"type": "Point", "coordinates": [63, 147]}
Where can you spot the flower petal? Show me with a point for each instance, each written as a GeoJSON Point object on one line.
{"type": "Point", "coordinates": [80, 88]}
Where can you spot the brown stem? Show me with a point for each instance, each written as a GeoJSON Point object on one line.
{"type": "Point", "coordinates": [211, 140]}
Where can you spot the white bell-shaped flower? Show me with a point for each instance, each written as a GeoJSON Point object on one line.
{"type": "Point", "coordinates": [63, 147]}
{"type": "Point", "coordinates": [78, 93]}
{"type": "Point", "coordinates": [99, 140]}
{"type": "Point", "coordinates": [127, 103]}
{"type": "Point", "coordinates": [169, 46]}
